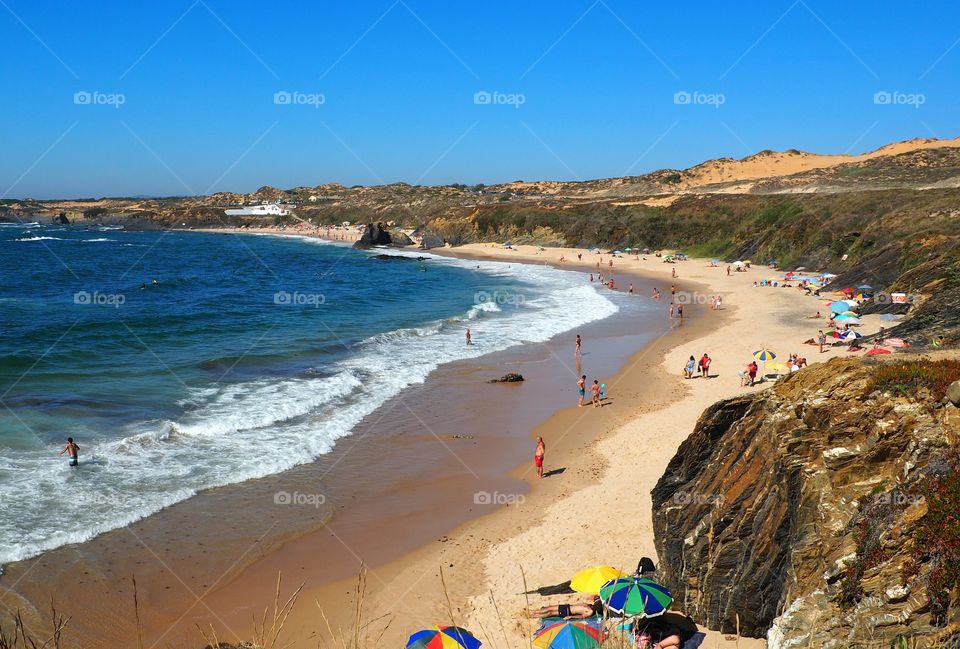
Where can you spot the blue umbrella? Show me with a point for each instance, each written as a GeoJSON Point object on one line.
{"type": "Point", "coordinates": [839, 306]}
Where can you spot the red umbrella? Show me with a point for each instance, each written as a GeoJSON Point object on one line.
{"type": "Point", "coordinates": [876, 351]}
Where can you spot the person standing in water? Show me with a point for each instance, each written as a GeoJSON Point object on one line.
{"type": "Point", "coordinates": [469, 337]}
{"type": "Point", "coordinates": [72, 449]}
{"type": "Point", "coordinates": [538, 456]}
{"type": "Point", "coordinates": [577, 343]}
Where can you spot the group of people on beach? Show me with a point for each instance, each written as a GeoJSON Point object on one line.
{"type": "Point", "coordinates": [694, 366]}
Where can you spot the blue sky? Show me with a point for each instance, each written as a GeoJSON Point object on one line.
{"type": "Point", "coordinates": [178, 97]}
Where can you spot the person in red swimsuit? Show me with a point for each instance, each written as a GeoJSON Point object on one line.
{"type": "Point", "coordinates": [538, 456]}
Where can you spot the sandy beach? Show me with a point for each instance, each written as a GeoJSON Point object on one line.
{"type": "Point", "coordinates": [598, 510]}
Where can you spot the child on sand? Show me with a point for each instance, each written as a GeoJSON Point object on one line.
{"type": "Point", "coordinates": [538, 456]}
{"type": "Point", "coordinates": [595, 392]}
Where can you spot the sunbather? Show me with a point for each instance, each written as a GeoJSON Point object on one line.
{"type": "Point", "coordinates": [575, 611]}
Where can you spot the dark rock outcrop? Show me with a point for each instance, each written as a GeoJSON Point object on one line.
{"type": "Point", "coordinates": [512, 377]}
{"type": "Point", "coordinates": [400, 238]}
{"type": "Point", "coordinates": [431, 240]}
{"type": "Point", "coordinates": [800, 513]}
{"type": "Point", "coordinates": [61, 219]}
{"type": "Point", "coordinates": [373, 235]}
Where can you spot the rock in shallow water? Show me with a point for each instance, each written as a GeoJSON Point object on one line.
{"type": "Point", "coordinates": [508, 378]}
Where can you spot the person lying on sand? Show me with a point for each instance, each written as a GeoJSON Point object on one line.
{"type": "Point", "coordinates": [575, 611]}
{"type": "Point", "coordinates": [655, 634]}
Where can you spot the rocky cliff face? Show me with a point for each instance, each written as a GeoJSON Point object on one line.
{"type": "Point", "coordinates": [821, 512]}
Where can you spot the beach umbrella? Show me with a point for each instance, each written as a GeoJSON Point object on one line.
{"type": "Point", "coordinates": [764, 355]}
{"type": "Point", "coordinates": [847, 314]}
{"type": "Point", "coordinates": [801, 267]}
{"type": "Point", "coordinates": [848, 319]}
{"type": "Point", "coordinates": [636, 596]}
{"type": "Point", "coordinates": [569, 634]}
{"type": "Point", "coordinates": [847, 335]}
{"type": "Point", "coordinates": [888, 316]}
{"type": "Point", "coordinates": [833, 334]}
{"type": "Point", "coordinates": [443, 637]}
{"type": "Point", "coordinates": [851, 302]}
{"type": "Point", "coordinates": [590, 580]}
{"type": "Point", "coordinates": [876, 351]}
{"type": "Point", "coordinates": [865, 287]}
{"type": "Point", "coordinates": [827, 275]}
{"type": "Point", "coordinates": [839, 306]}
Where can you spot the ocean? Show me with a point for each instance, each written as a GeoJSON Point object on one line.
{"type": "Point", "coordinates": [248, 356]}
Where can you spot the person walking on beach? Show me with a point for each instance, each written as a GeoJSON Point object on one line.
{"type": "Point", "coordinates": [673, 290]}
{"type": "Point", "coordinates": [469, 337]}
{"type": "Point", "coordinates": [538, 456]}
{"type": "Point", "coordinates": [705, 361]}
{"type": "Point", "coordinates": [577, 343]}
{"type": "Point", "coordinates": [72, 449]}
{"type": "Point", "coordinates": [728, 271]}
{"type": "Point", "coordinates": [673, 272]}
{"type": "Point", "coordinates": [680, 312]}
{"type": "Point", "coordinates": [595, 393]}
{"type": "Point", "coordinates": [691, 366]}
{"type": "Point", "coordinates": [671, 310]}
{"type": "Point", "coordinates": [582, 389]}
{"type": "Point", "coordinates": [821, 339]}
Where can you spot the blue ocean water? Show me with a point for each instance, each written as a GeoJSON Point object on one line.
{"type": "Point", "coordinates": [250, 355]}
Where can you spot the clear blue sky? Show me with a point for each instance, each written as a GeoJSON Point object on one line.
{"type": "Point", "coordinates": [397, 80]}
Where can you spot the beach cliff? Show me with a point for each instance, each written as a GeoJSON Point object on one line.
{"type": "Point", "coordinates": [821, 512]}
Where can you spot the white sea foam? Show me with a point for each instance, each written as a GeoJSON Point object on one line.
{"type": "Point", "coordinates": [40, 239]}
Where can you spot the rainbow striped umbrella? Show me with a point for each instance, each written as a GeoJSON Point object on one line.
{"type": "Point", "coordinates": [569, 634]}
{"type": "Point", "coordinates": [636, 596]}
{"type": "Point", "coordinates": [443, 637]}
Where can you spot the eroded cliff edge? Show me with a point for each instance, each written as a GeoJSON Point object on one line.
{"type": "Point", "coordinates": [823, 511]}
